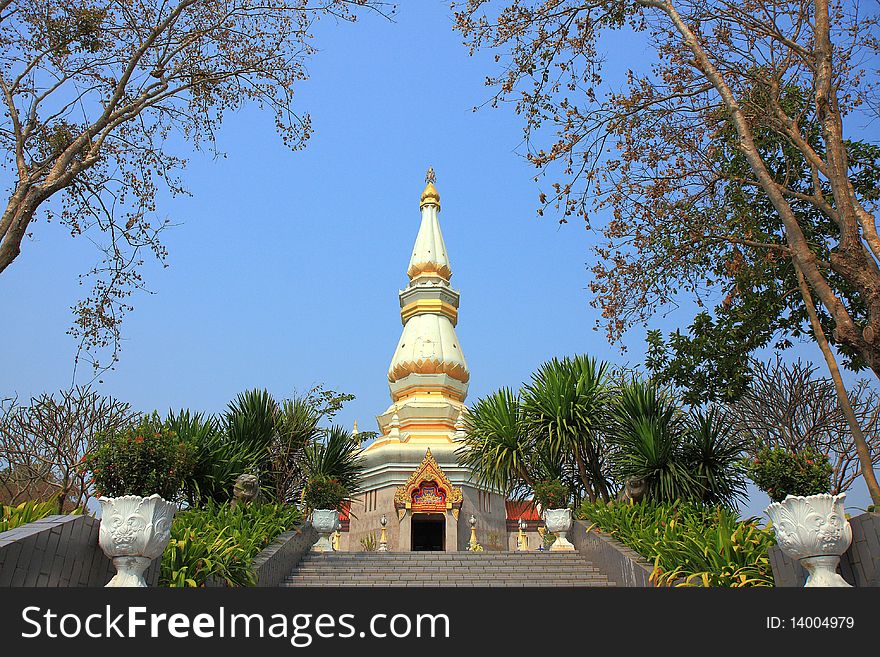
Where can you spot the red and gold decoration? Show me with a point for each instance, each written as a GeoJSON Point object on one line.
{"type": "Point", "coordinates": [428, 490]}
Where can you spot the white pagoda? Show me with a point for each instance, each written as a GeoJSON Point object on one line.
{"type": "Point", "coordinates": [412, 475]}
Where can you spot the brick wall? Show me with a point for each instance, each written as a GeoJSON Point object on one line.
{"type": "Point", "coordinates": [278, 559]}
{"type": "Point", "coordinates": [58, 551]}
{"type": "Point", "coordinates": [860, 565]}
{"type": "Point", "coordinates": [622, 565]}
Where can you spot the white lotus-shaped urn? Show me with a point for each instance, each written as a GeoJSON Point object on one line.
{"type": "Point", "coordinates": [558, 521]}
{"type": "Point", "coordinates": [134, 531]}
{"type": "Point", "coordinates": [814, 530]}
{"type": "Point", "coordinates": [325, 522]}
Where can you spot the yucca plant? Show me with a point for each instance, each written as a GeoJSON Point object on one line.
{"type": "Point", "coordinates": [251, 418]}
{"type": "Point", "coordinates": [647, 430]}
{"type": "Point", "coordinates": [219, 458]}
{"type": "Point", "coordinates": [565, 409]}
{"type": "Point", "coordinates": [712, 451]}
{"type": "Point", "coordinates": [335, 456]}
{"type": "Point", "coordinates": [296, 428]}
{"type": "Point", "coordinates": [496, 447]}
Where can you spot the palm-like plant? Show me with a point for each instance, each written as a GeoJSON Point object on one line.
{"type": "Point", "coordinates": [647, 430]}
{"type": "Point", "coordinates": [251, 419]}
{"type": "Point", "coordinates": [336, 456]}
{"type": "Point", "coordinates": [496, 447]}
{"type": "Point", "coordinates": [218, 461]}
{"type": "Point", "coordinates": [565, 408]}
{"type": "Point", "coordinates": [296, 427]}
{"type": "Point", "coordinates": [713, 452]}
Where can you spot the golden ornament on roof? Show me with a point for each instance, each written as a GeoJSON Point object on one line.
{"type": "Point", "coordinates": [430, 196]}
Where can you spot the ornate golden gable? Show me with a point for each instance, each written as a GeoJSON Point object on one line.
{"type": "Point", "coordinates": [446, 498]}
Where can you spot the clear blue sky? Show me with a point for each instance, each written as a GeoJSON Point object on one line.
{"type": "Point", "coordinates": [285, 267]}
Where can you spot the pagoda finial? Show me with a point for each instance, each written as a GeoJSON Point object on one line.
{"type": "Point", "coordinates": [430, 196]}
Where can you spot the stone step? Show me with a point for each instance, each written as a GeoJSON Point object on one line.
{"type": "Point", "coordinates": [429, 569]}
{"type": "Point", "coordinates": [423, 577]}
{"type": "Point", "coordinates": [336, 563]}
{"type": "Point", "coordinates": [415, 574]}
{"type": "Point", "coordinates": [461, 569]}
{"type": "Point", "coordinates": [294, 583]}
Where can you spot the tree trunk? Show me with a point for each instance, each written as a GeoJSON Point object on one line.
{"type": "Point", "coordinates": [842, 396]}
{"type": "Point", "coordinates": [850, 260]}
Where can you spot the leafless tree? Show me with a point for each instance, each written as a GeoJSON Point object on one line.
{"type": "Point", "coordinates": [93, 91]}
{"type": "Point", "coordinates": [42, 444]}
{"type": "Point", "coordinates": [789, 406]}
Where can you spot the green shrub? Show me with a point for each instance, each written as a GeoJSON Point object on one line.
{"type": "Point", "coordinates": [16, 516]}
{"type": "Point", "coordinates": [690, 545]}
{"type": "Point", "coordinates": [552, 494]}
{"type": "Point", "coordinates": [780, 472]}
{"type": "Point", "coordinates": [217, 457]}
{"type": "Point", "coordinates": [141, 460]}
{"type": "Point", "coordinates": [324, 493]}
{"type": "Point", "coordinates": [220, 541]}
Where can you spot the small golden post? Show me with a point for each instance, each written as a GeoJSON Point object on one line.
{"type": "Point", "coordinates": [472, 545]}
{"type": "Point", "coordinates": [383, 539]}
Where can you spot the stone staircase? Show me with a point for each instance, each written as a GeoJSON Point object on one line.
{"type": "Point", "coordinates": [513, 569]}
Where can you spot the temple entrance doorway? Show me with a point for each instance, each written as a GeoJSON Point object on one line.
{"type": "Point", "coordinates": [428, 532]}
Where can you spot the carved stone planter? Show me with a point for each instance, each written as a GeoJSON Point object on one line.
{"type": "Point", "coordinates": [815, 531]}
{"type": "Point", "coordinates": [134, 531]}
{"type": "Point", "coordinates": [558, 521]}
{"type": "Point", "coordinates": [325, 522]}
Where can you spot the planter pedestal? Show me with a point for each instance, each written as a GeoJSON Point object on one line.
{"type": "Point", "coordinates": [814, 530]}
{"type": "Point", "coordinates": [558, 521]}
{"type": "Point", "coordinates": [134, 531]}
{"type": "Point", "coordinates": [325, 522]}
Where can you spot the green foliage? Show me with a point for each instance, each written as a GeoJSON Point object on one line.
{"type": "Point", "coordinates": [551, 429]}
{"type": "Point", "coordinates": [335, 457]}
{"type": "Point", "coordinates": [323, 492]}
{"type": "Point", "coordinates": [21, 514]}
{"type": "Point", "coordinates": [250, 422]}
{"type": "Point", "coordinates": [576, 424]}
{"type": "Point", "coordinates": [142, 460]}
{"type": "Point", "coordinates": [552, 494]}
{"type": "Point", "coordinates": [690, 545]}
{"type": "Point", "coordinates": [694, 457]}
{"type": "Point", "coordinates": [369, 543]}
{"type": "Point", "coordinates": [712, 452]}
{"type": "Point", "coordinates": [220, 541]}
{"type": "Point", "coordinates": [647, 428]}
{"type": "Point", "coordinates": [217, 458]}
{"type": "Point", "coordinates": [282, 443]}
{"type": "Point", "coordinates": [296, 427]}
{"type": "Point", "coordinates": [495, 446]}
{"type": "Point", "coordinates": [780, 472]}
{"type": "Point", "coordinates": [711, 362]}
{"type": "Point", "coordinates": [565, 406]}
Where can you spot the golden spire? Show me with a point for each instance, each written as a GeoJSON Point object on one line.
{"type": "Point", "coordinates": [430, 196]}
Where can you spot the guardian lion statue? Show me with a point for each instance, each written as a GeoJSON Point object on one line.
{"type": "Point", "coordinates": [247, 488]}
{"type": "Point", "coordinates": [633, 492]}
